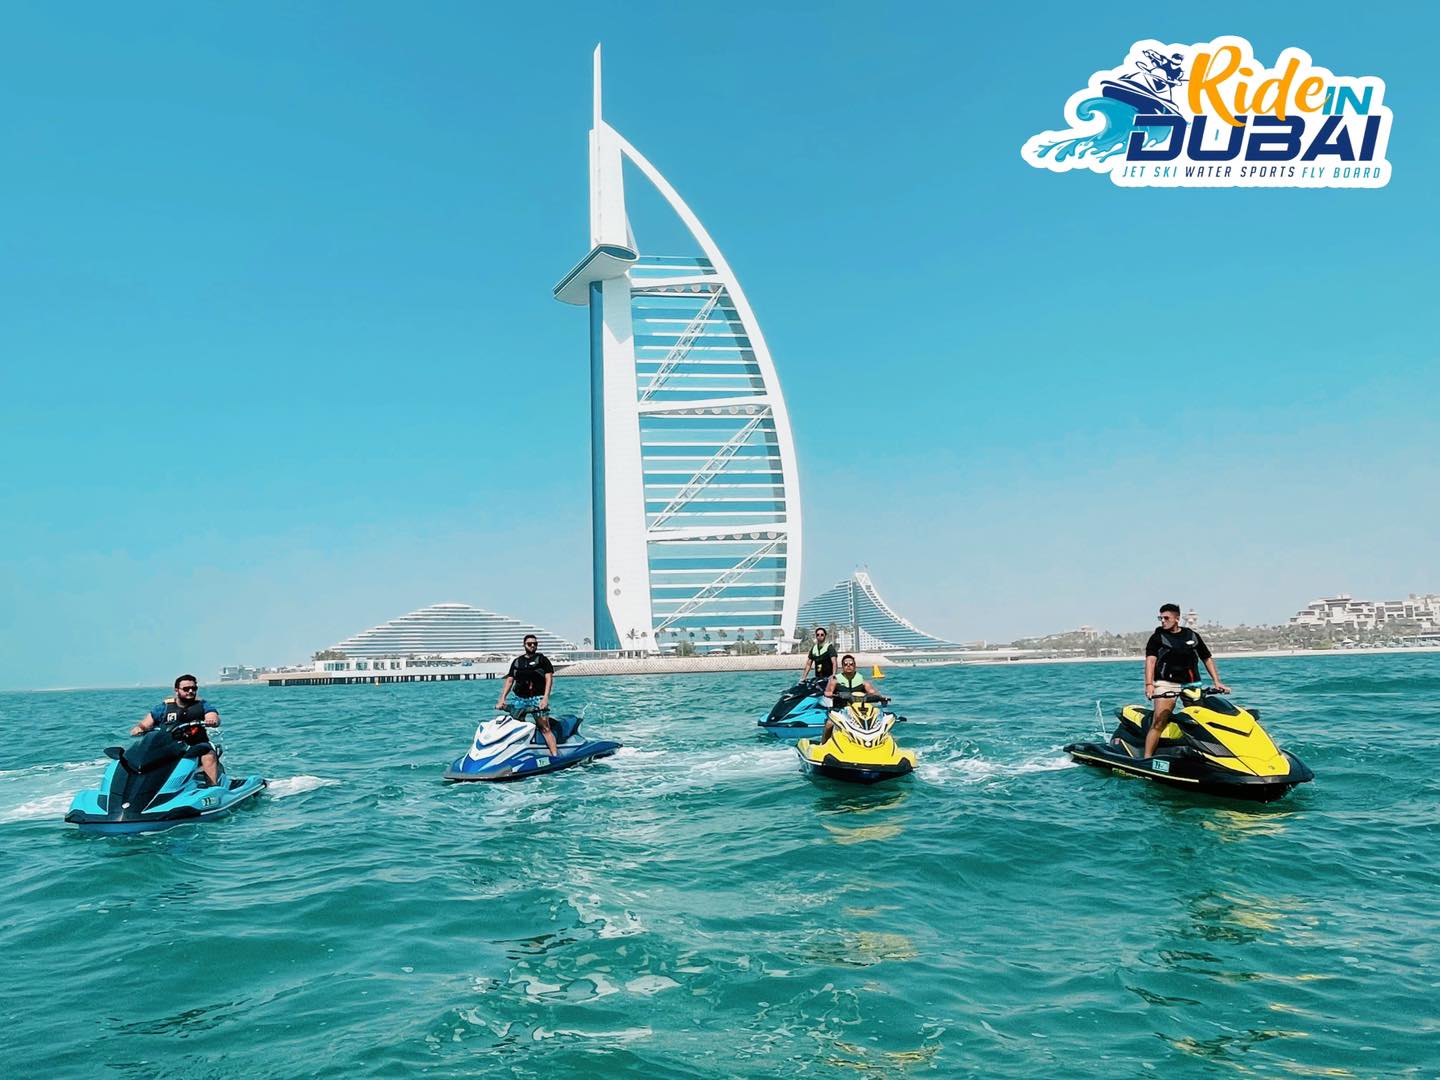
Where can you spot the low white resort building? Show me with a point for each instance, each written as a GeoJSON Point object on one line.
{"type": "Point", "coordinates": [1345, 610]}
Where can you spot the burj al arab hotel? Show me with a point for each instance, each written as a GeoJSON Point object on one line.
{"type": "Point", "coordinates": [696, 500]}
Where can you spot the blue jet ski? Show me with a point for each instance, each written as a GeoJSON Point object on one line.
{"type": "Point", "coordinates": [510, 747]}
{"type": "Point", "coordinates": [800, 713]}
{"type": "Point", "coordinates": [156, 783]}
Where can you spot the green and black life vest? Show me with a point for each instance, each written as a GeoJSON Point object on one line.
{"type": "Point", "coordinates": [823, 659]}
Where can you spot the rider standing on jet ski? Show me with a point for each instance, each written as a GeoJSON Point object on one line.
{"type": "Point", "coordinates": [1172, 658]}
{"type": "Point", "coordinates": [532, 675]}
{"type": "Point", "coordinates": [186, 712]}
{"type": "Point", "coordinates": [821, 656]}
{"type": "Point", "coordinates": [848, 682]}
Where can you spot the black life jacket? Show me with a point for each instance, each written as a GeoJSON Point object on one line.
{"type": "Point", "coordinates": [1179, 659]}
{"type": "Point", "coordinates": [187, 724]}
{"type": "Point", "coordinates": [529, 677]}
{"type": "Point", "coordinates": [175, 716]}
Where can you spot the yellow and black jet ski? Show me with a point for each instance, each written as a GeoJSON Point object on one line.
{"type": "Point", "coordinates": [1210, 745]}
{"type": "Point", "coordinates": [860, 748]}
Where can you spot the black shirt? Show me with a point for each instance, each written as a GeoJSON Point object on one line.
{"type": "Point", "coordinates": [528, 673]}
{"type": "Point", "coordinates": [1178, 654]}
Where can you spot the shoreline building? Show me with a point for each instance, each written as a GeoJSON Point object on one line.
{"type": "Point", "coordinates": [864, 621]}
{"type": "Point", "coordinates": [1345, 610]}
{"type": "Point", "coordinates": [449, 630]}
{"type": "Point", "coordinates": [694, 489]}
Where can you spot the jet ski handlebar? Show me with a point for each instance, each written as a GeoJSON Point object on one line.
{"type": "Point", "coordinates": [848, 698]}
{"type": "Point", "coordinates": [1205, 691]}
{"type": "Point", "coordinates": [520, 714]}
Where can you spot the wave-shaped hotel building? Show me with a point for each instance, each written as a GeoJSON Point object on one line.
{"type": "Point", "coordinates": [695, 493]}
{"type": "Point", "coordinates": [449, 630]}
{"type": "Point", "coordinates": [861, 619]}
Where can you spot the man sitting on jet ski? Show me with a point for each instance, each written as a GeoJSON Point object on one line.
{"type": "Point", "coordinates": [848, 682]}
{"type": "Point", "coordinates": [532, 675]}
{"type": "Point", "coordinates": [185, 714]}
{"type": "Point", "coordinates": [1172, 658]}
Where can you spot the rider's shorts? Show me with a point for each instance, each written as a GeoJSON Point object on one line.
{"type": "Point", "coordinates": [1162, 687]}
{"type": "Point", "coordinates": [526, 703]}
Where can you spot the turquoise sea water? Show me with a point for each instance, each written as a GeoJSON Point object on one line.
{"type": "Point", "coordinates": [694, 907]}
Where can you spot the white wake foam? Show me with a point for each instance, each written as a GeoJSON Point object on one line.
{"type": "Point", "coordinates": [298, 785]}
{"type": "Point", "coordinates": [50, 769]}
{"type": "Point", "coordinates": [978, 770]}
{"type": "Point", "coordinates": [43, 791]}
{"type": "Point", "coordinates": [47, 806]}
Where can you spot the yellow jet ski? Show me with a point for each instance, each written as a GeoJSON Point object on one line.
{"type": "Point", "coordinates": [1211, 745]}
{"type": "Point", "coordinates": [860, 748]}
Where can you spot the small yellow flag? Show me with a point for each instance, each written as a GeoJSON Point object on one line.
{"type": "Point", "coordinates": [876, 673]}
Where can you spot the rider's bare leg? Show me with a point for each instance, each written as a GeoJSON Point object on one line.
{"type": "Point", "coordinates": [1163, 708]}
{"type": "Point", "coordinates": [543, 723]}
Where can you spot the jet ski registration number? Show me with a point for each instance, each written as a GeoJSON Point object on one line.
{"type": "Point", "coordinates": [1160, 765]}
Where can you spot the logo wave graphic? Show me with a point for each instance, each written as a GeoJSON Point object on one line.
{"type": "Point", "coordinates": [1118, 119]}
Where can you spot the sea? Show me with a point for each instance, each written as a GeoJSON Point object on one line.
{"type": "Point", "coordinates": [696, 907]}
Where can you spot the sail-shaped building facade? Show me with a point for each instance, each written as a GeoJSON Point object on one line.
{"type": "Point", "coordinates": [860, 618]}
{"type": "Point", "coordinates": [696, 500]}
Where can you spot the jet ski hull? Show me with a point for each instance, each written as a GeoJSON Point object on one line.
{"type": "Point", "coordinates": [799, 714]}
{"type": "Point", "coordinates": [90, 809]}
{"type": "Point", "coordinates": [1142, 100]}
{"type": "Point", "coordinates": [840, 759]}
{"type": "Point", "coordinates": [793, 730]}
{"type": "Point", "coordinates": [833, 769]}
{"type": "Point", "coordinates": [536, 760]}
{"type": "Point", "coordinates": [1193, 773]}
{"type": "Point", "coordinates": [1210, 745]}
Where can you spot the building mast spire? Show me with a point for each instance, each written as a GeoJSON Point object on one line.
{"type": "Point", "coordinates": [597, 122]}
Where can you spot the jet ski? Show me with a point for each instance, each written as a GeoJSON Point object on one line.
{"type": "Point", "coordinates": [155, 783]}
{"type": "Point", "coordinates": [800, 713]}
{"type": "Point", "coordinates": [510, 747]}
{"type": "Point", "coordinates": [860, 749]}
{"type": "Point", "coordinates": [1211, 745]}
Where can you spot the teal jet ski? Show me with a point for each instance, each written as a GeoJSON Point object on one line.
{"type": "Point", "coordinates": [156, 783]}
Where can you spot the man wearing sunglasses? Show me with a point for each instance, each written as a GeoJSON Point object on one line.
{"type": "Point", "coordinates": [186, 711]}
{"type": "Point", "coordinates": [532, 675]}
{"type": "Point", "coordinates": [1173, 656]}
{"type": "Point", "coordinates": [821, 656]}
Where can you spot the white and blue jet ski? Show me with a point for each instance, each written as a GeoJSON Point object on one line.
{"type": "Point", "coordinates": [800, 713]}
{"type": "Point", "coordinates": [510, 747]}
{"type": "Point", "coordinates": [156, 783]}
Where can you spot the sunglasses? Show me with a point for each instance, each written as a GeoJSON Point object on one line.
{"type": "Point", "coordinates": [187, 689]}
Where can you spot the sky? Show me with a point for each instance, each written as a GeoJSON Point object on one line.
{"type": "Point", "coordinates": [280, 358]}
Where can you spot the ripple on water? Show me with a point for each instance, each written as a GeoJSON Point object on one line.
{"type": "Point", "coordinates": [694, 906]}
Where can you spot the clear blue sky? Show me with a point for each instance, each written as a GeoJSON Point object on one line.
{"type": "Point", "coordinates": [281, 360]}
